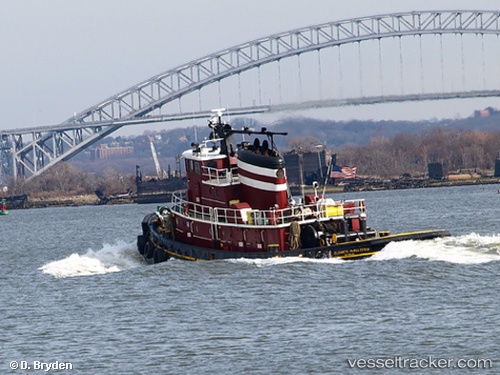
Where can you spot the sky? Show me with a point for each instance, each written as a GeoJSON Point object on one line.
{"type": "Point", "coordinates": [59, 57]}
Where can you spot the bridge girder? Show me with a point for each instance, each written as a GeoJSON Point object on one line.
{"type": "Point", "coordinates": [31, 152]}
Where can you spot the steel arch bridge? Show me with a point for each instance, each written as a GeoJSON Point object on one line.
{"type": "Point", "coordinates": [29, 152]}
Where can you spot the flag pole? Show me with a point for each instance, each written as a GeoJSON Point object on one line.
{"type": "Point", "coordinates": [328, 170]}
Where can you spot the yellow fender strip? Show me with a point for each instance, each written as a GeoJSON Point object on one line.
{"type": "Point", "coordinates": [173, 253]}
{"type": "Point", "coordinates": [358, 255]}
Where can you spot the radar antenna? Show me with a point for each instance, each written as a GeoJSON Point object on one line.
{"type": "Point", "coordinates": [217, 119]}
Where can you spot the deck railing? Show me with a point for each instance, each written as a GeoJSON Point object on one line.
{"type": "Point", "coordinates": [218, 176]}
{"type": "Point", "coordinates": [181, 205]}
{"type": "Point", "coordinates": [320, 210]}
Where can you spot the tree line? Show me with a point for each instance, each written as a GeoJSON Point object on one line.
{"type": "Point", "coordinates": [457, 150]}
{"type": "Point", "coordinates": [65, 180]}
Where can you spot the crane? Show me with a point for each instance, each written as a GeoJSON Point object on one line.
{"type": "Point", "coordinates": [377, 132]}
{"type": "Point", "coordinates": [159, 171]}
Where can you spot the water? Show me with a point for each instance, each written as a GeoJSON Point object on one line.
{"type": "Point", "coordinates": [74, 290]}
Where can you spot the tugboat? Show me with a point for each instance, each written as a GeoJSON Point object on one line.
{"type": "Point", "coordinates": [238, 205]}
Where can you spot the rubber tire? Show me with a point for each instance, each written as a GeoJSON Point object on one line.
{"type": "Point", "coordinates": [141, 243]}
{"type": "Point", "coordinates": [149, 250]}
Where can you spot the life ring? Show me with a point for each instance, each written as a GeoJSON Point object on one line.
{"type": "Point", "coordinates": [334, 238]}
{"type": "Point", "coordinates": [322, 242]}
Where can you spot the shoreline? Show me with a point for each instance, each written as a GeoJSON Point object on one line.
{"type": "Point", "coordinates": [67, 201]}
{"type": "Point", "coordinates": [357, 186]}
{"type": "Point", "coordinates": [396, 184]}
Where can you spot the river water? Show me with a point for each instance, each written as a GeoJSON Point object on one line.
{"type": "Point", "coordinates": [75, 294]}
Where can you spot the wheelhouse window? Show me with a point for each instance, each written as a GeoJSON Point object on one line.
{"type": "Point", "coordinates": [212, 164]}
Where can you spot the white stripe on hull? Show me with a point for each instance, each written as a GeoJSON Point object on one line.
{"type": "Point", "coordinates": [267, 186]}
{"type": "Point", "coordinates": [257, 170]}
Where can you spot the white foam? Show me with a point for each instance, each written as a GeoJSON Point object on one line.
{"type": "Point", "coordinates": [111, 258]}
{"type": "Point", "coordinates": [467, 249]}
{"type": "Point", "coordinates": [267, 262]}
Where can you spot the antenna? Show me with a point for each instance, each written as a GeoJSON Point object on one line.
{"type": "Point", "coordinates": [219, 111]}
{"type": "Point", "coordinates": [195, 129]}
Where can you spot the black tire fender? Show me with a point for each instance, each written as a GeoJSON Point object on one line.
{"type": "Point", "coordinates": [141, 243]}
{"type": "Point", "coordinates": [149, 250]}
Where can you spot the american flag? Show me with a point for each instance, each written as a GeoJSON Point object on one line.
{"type": "Point", "coordinates": [343, 172]}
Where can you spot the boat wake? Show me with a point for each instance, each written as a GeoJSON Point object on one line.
{"type": "Point", "coordinates": [111, 258]}
{"type": "Point", "coordinates": [468, 249]}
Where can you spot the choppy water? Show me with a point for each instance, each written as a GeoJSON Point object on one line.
{"type": "Point", "coordinates": [74, 290]}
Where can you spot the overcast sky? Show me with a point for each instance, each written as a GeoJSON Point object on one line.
{"type": "Point", "coordinates": [58, 57]}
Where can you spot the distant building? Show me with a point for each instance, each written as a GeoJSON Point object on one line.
{"type": "Point", "coordinates": [497, 168]}
{"type": "Point", "coordinates": [312, 166]}
{"type": "Point", "coordinates": [488, 111]}
{"type": "Point", "coordinates": [435, 171]}
{"type": "Point", "coordinates": [104, 151]}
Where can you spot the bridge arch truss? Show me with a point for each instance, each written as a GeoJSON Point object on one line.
{"type": "Point", "coordinates": [29, 152]}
